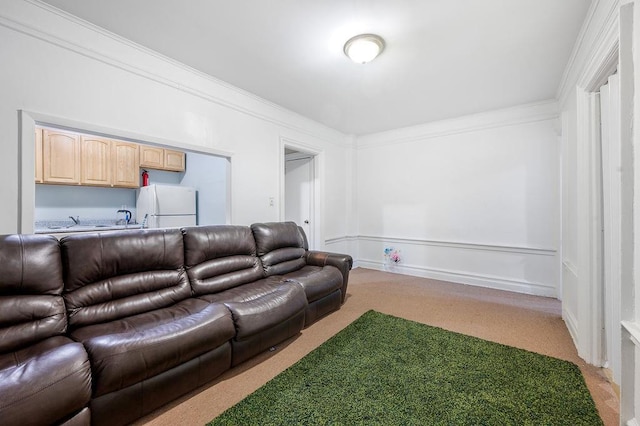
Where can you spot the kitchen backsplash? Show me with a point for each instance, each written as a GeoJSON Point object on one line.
{"type": "Point", "coordinates": [58, 202]}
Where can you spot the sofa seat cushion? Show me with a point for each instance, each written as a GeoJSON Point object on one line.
{"type": "Point", "coordinates": [317, 281]}
{"type": "Point", "coordinates": [261, 305]}
{"type": "Point", "coordinates": [133, 349]}
{"type": "Point", "coordinates": [44, 383]}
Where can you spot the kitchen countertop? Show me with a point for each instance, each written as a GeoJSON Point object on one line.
{"type": "Point", "coordinates": [94, 225]}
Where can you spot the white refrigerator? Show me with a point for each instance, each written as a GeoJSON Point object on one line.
{"type": "Point", "coordinates": [166, 206]}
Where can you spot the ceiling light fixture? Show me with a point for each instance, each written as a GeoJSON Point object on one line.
{"type": "Point", "coordinates": [364, 48]}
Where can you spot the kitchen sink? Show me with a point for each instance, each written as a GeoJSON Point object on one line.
{"type": "Point", "coordinates": [85, 227]}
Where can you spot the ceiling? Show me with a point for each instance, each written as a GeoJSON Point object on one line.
{"type": "Point", "coordinates": [443, 58]}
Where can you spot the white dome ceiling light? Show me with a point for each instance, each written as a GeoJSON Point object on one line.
{"type": "Point", "coordinates": [364, 48]}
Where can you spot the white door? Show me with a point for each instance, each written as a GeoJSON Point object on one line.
{"type": "Point", "coordinates": [298, 190]}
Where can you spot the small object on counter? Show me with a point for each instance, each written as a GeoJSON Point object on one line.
{"type": "Point", "coordinates": [127, 215]}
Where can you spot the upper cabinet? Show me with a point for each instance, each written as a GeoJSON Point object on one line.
{"type": "Point", "coordinates": [95, 165]}
{"type": "Point", "coordinates": [152, 157]}
{"type": "Point", "coordinates": [174, 160]}
{"type": "Point", "coordinates": [69, 158]}
{"type": "Point", "coordinates": [61, 157]}
{"type": "Point", "coordinates": [125, 157]}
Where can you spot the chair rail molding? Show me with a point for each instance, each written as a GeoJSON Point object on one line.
{"type": "Point", "coordinates": [502, 267]}
{"type": "Point", "coordinates": [462, 245]}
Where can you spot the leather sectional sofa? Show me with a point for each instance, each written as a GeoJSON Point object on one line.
{"type": "Point", "coordinates": [103, 328]}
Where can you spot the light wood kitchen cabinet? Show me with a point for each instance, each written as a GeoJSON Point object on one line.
{"type": "Point", "coordinates": [151, 157]}
{"type": "Point", "coordinates": [125, 157]}
{"type": "Point", "coordinates": [95, 165]}
{"type": "Point", "coordinates": [38, 161]}
{"type": "Point", "coordinates": [61, 157]}
{"type": "Point", "coordinates": [69, 158]}
{"type": "Point", "coordinates": [174, 160]}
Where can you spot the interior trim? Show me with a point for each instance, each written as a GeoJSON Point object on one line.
{"type": "Point", "coordinates": [462, 277]}
{"type": "Point", "coordinates": [178, 83]}
{"type": "Point", "coordinates": [633, 328]}
{"type": "Point", "coordinates": [521, 114]}
{"type": "Point", "coordinates": [538, 251]}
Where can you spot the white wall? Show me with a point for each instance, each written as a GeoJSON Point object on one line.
{"type": "Point", "coordinates": [58, 202]}
{"type": "Point", "coordinates": [208, 174]}
{"type": "Point", "coordinates": [58, 66]}
{"type": "Point", "coordinates": [472, 200]}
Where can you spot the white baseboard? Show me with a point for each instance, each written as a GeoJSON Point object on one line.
{"type": "Point", "coordinates": [571, 323]}
{"type": "Point", "coordinates": [497, 283]}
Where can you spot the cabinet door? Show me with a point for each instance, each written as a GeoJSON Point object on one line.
{"type": "Point", "coordinates": [174, 160]}
{"type": "Point", "coordinates": [151, 157]}
{"type": "Point", "coordinates": [96, 161]}
{"type": "Point", "coordinates": [38, 160]}
{"type": "Point", "coordinates": [126, 164]}
{"type": "Point", "coordinates": [61, 157]}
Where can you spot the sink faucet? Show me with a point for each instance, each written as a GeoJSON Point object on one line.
{"type": "Point", "coordinates": [127, 216]}
{"type": "Point", "coordinates": [76, 220]}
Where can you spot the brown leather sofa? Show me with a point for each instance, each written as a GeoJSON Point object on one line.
{"type": "Point", "coordinates": [45, 377]}
{"type": "Point", "coordinates": [129, 303]}
{"type": "Point", "coordinates": [158, 312]}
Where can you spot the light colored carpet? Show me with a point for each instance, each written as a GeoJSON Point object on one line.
{"type": "Point", "coordinates": [527, 322]}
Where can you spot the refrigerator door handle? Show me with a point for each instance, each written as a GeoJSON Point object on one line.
{"type": "Point", "coordinates": [156, 204]}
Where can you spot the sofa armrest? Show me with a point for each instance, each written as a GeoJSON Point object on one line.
{"type": "Point", "coordinates": [343, 262]}
{"type": "Point", "coordinates": [323, 258]}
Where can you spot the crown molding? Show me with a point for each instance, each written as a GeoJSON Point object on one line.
{"type": "Point", "coordinates": [521, 114]}
{"type": "Point", "coordinates": [172, 73]}
{"type": "Point", "coordinates": [598, 33]}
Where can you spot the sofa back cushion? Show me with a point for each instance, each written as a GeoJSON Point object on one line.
{"type": "Point", "coordinates": [280, 246]}
{"type": "Point", "coordinates": [220, 257]}
{"type": "Point", "coordinates": [31, 305]}
{"type": "Point", "coordinates": [113, 275]}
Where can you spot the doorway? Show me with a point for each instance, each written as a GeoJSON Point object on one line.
{"type": "Point", "coordinates": [299, 183]}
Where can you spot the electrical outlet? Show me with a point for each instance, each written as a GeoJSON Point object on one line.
{"type": "Point", "coordinates": [272, 202]}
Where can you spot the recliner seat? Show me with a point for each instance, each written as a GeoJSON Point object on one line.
{"type": "Point", "coordinates": [45, 377]}
{"type": "Point", "coordinates": [223, 267]}
{"type": "Point", "coordinates": [129, 302]}
{"type": "Point", "coordinates": [281, 247]}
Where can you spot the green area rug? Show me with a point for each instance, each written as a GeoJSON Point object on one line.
{"type": "Point", "coordinates": [390, 371]}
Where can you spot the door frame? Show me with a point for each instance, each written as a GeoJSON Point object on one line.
{"type": "Point", "coordinates": [611, 157]}
{"type": "Point", "coordinates": [589, 199]}
{"type": "Point", "coordinates": [316, 241]}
